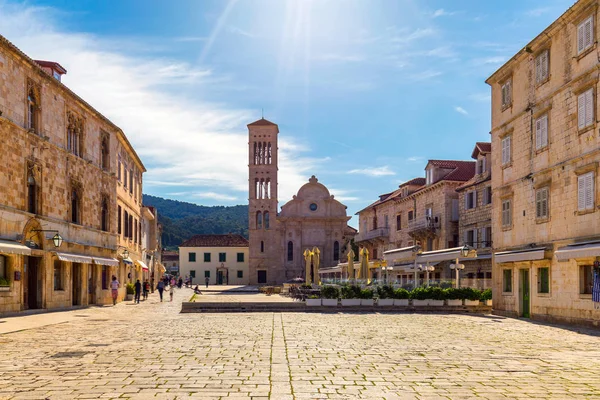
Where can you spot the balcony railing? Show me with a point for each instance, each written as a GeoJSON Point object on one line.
{"type": "Point", "coordinates": [373, 234]}
{"type": "Point", "coordinates": [425, 222]}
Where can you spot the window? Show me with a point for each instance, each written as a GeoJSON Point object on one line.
{"type": "Point", "coordinates": [192, 273]}
{"type": "Point", "coordinates": [32, 193]}
{"type": "Point", "coordinates": [104, 217]}
{"type": "Point", "coordinates": [541, 132]}
{"type": "Point", "coordinates": [75, 206]}
{"type": "Point", "coordinates": [507, 280]}
{"type": "Point", "coordinates": [262, 246]}
{"type": "Point", "coordinates": [585, 35]}
{"type": "Point", "coordinates": [130, 226]}
{"type": "Point", "coordinates": [481, 165]}
{"type": "Point", "coordinates": [290, 251]}
{"type": "Point", "coordinates": [410, 215]}
{"type": "Point", "coordinates": [119, 170]}
{"type": "Point", "coordinates": [131, 181]}
{"type": "Point", "coordinates": [240, 257]}
{"type": "Point", "coordinates": [266, 220]}
{"type": "Point", "coordinates": [541, 203]}
{"type": "Point", "coordinates": [336, 251]}
{"type": "Point", "coordinates": [58, 275]}
{"type": "Point", "coordinates": [222, 257]}
{"type": "Point", "coordinates": [506, 156]}
{"type": "Point", "coordinates": [506, 213]}
{"type": "Point", "coordinates": [240, 274]}
{"type": "Point", "coordinates": [119, 220]}
{"type": "Point", "coordinates": [585, 109]}
{"type": "Point", "coordinates": [74, 133]}
{"type": "Point", "coordinates": [3, 268]}
{"type": "Point", "coordinates": [429, 176]}
{"type": "Point", "coordinates": [544, 280]}
{"type": "Point", "coordinates": [385, 221]}
{"type": "Point", "coordinates": [126, 219]}
{"type": "Point", "coordinates": [104, 153]}
{"type": "Point", "coordinates": [374, 222]}
{"type": "Point", "coordinates": [486, 237]}
{"type": "Point", "coordinates": [586, 280]}
{"type": "Point", "coordinates": [33, 109]}
{"type": "Point", "coordinates": [192, 257]}
{"type": "Point", "coordinates": [206, 257]}
{"type": "Point", "coordinates": [507, 94]}
{"type": "Point", "coordinates": [399, 222]}
{"type": "Point", "coordinates": [585, 192]}
{"type": "Point", "coordinates": [259, 220]}
{"type": "Point", "coordinates": [125, 177]}
{"type": "Point", "coordinates": [487, 195]}
{"type": "Point", "coordinates": [207, 274]}
{"type": "Point", "coordinates": [471, 237]}
{"type": "Point", "coordinates": [140, 232]}
{"type": "Point", "coordinates": [542, 64]}
{"type": "Point", "coordinates": [471, 200]}
{"type": "Point", "coordinates": [135, 233]}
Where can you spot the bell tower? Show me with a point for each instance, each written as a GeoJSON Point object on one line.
{"type": "Point", "coordinates": [265, 246]}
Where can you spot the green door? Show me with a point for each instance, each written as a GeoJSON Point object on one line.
{"type": "Point", "coordinates": [219, 277]}
{"type": "Point", "coordinates": [525, 295]}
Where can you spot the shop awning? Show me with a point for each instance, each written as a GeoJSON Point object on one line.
{"type": "Point", "coordinates": [520, 255]}
{"type": "Point", "coordinates": [111, 262]}
{"type": "Point", "coordinates": [404, 267]}
{"type": "Point", "coordinates": [76, 258]}
{"type": "Point", "coordinates": [330, 270]}
{"type": "Point", "coordinates": [141, 264]}
{"type": "Point", "coordinates": [578, 251]}
{"type": "Point", "coordinates": [442, 255]}
{"type": "Point", "coordinates": [128, 261]}
{"type": "Point", "coordinates": [12, 247]}
{"type": "Point", "coordinates": [399, 254]}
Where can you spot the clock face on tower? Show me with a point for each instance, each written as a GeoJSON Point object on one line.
{"type": "Point", "coordinates": [313, 206]}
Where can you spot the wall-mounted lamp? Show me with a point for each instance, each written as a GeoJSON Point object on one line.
{"type": "Point", "coordinates": [56, 239]}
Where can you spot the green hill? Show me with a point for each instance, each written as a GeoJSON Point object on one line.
{"type": "Point", "coordinates": [182, 220]}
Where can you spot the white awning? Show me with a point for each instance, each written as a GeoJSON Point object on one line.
{"type": "Point", "coordinates": [578, 251]}
{"type": "Point", "coordinates": [402, 253]}
{"type": "Point", "coordinates": [128, 261]}
{"type": "Point", "coordinates": [330, 270]}
{"type": "Point", "coordinates": [141, 264]}
{"type": "Point", "coordinates": [442, 255]}
{"type": "Point", "coordinates": [404, 267]}
{"type": "Point", "coordinates": [12, 247]}
{"type": "Point", "coordinates": [111, 262]}
{"type": "Point", "coordinates": [76, 258]}
{"type": "Point", "coordinates": [520, 255]}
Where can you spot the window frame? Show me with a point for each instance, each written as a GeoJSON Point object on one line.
{"type": "Point", "coordinates": [587, 207]}
{"type": "Point", "coordinates": [585, 101]}
{"type": "Point", "coordinates": [4, 267]}
{"type": "Point", "coordinates": [585, 286]}
{"type": "Point", "coordinates": [207, 257]}
{"type": "Point", "coordinates": [222, 257]}
{"type": "Point", "coordinates": [581, 30]}
{"type": "Point", "coordinates": [487, 195]}
{"type": "Point", "coordinates": [506, 145]}
{"type": "Point", "coordinates": [507, 284]}
{"type": "Point", "coordinates": [240, 257]}
{"type": "Point", "coordinates": [540, 77]}
{"type": "Point", "coordinates": [540, 282]}
{"type": "Point", "coordinates": [506, 94]}
{"type": "Point", "coordinates": [539, 203]}
{"type": "Point", "coordinates": [471, 200]}
{"type": "Point", "coordinates": [506, 222]}
{"type": "Point", "coordinates": [192, 256]}
{"type": "Point", "coordinates": [240, 274]}
{"type": "Point", "coordinates": [399, 222]}
{"type": "Point", "coordinates": [541, 132]}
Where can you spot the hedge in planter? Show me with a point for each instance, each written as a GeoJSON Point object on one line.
{"type": "Point", "coordinates": [350, 292]}
{"type": "Point", "coordinates": [130, 288]}
{"type": "Point", "coordinates": [330, 292]}
{"type": "Point", "coordinates": [486, 295]}
{"type": "Point", "coordinates": [4, 282]}
{"type": "Point", "coordinates": [471, 294]}
{"type": "Point", "coordinates": [385, 292]}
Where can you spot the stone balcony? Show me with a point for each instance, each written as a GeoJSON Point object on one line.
{"type": "Point", "coordinates": [374, 234]}
{"type": "Point", "coordinates": [424, 226]}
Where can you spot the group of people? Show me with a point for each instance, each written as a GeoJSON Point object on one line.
{"type": "Point", "coordinates": [142, 289]}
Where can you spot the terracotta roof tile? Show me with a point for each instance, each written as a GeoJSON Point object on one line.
{"type": "Point", "coordinates": [415, 182]}
{"type": "Point", "coordinates": [216, 241]}
{"type": "Point", "coordinates": [52, 65]}
{"type": "Point", "coordinates": [463, 171]}
{"type": "Point", "coordinates": [262, 122]}
{"type": "Point", "coordinates": [170, 256]}
{"type": "Point", "coordinates": [481, 147]}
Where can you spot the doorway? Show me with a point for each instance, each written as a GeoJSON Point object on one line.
{"type": "Point", "coordinates": [31, 289]}
{"type": "Point", "coordinates": [524, 294]}
{"type": "Point", "coordinates": [76, 284]}
{"type": "Point", "coordinates": [91, 284]}
{"type": "Point", "coordinates": [222, 277]}
{"type": "Point", "coordinates": [262, 276]}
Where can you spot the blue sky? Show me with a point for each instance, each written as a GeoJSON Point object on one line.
{"type": "Point", "coordinates": [363, 91]}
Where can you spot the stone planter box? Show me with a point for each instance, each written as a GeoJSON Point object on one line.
{"type": "Point", "coordinates": [313, 302]}
{"type": "Point", "coordinates": [385, 302]}
{"type": "Point", "coordinates": [454, 302]}
{"type": "Point", "coordinates": [487, 302]}
{"type": "Point", "coordinates": [350, 302]}
{"type": "Point", "coordinates": [435, 303]}
{"type": "Point", "coordinates": [330, 302]}
{"type": "Point", "coordinates": [367, 302]}
{"type": "Point", "coordinates": [401, 302]}
{"type": "Point", "coordinates": [420, 303]}
{"type": "Point", "coordinates": [471, 303]}
{"type": "Point", "coordinates": [128, 297]}
{"type": "Point", "coordinates": [4, 288]}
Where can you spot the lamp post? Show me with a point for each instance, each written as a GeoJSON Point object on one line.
{"type": "Point", "coordinates": [417, 250]}
{"type": "Point", "coordinates": [428, 269]}
{"type": "Point", "coordinates": [57, 240]}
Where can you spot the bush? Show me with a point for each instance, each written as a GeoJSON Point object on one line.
{"type": "Point", "coordinates": [454, 294]}
{"type": "Point", "coordinates": [366, 294]}
{"type": "Point", "coordinates": [401, 293]}
{"type": "Point", "coordinates": [306, 286]}
{"type": "Point", "coordinates": [419, 294]}
{"type": "Point", "coordinates": [385, 292]}
{"type": "Point", "coordinates": [330, 292]}
{"type": "Point", "coordinates": [437, 293]}
{"type": "Point", "coordinates": [445, 285]}
{"type": "Point", "coordinates": [423, 293]}
{"type": "Point", "coordinates": [350, 292]}
{"type": "Point", "coordinates": [130, 288]}
{"type": "Point", "coordinates": [4, 282]}
{"type": "Point", "coordinates": [471, 294]}
{"type": "Point", "coordinates": [486, 294]}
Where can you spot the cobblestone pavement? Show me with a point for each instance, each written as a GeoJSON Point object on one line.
{"type": "Point", "coordinates": [151, 351]}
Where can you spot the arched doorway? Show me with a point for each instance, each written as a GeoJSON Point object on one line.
{"type": "Point", "coordinates": [222, 275]}
{"type": "Point", "coordinates": [33, 266]}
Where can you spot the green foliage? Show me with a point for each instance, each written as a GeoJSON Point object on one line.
{"type": "Point", "coordinates": [130, 288]}
{"type": "Point", "coordinates": [313, 296]}
{"type": "Point", "coordinates": [385, 292]}
{"type": "Point", "coordinates": [366, 294]}
{"type": "Point", "coordinates": [471, 294]}
{"type": "Point", "coordinates": [486, 294]}
{"type": "Point", "coordinates": [306, 286]}
{"type": "Point", "coordinates": [401, 294]}
{"type": "Point", "coordinates": [424, 293]}
{"type": "Point", "coordinates": [182, 220]}
{"type": "Point", "coordinates": [330, 292]}
{"type": "Point", "coordinates": [454, 294]}
{"type": "Point", "coordinates": [351, 292]}
{"type": "Point", "coordinates": [445, 285]}
{"type": "Point", "coordinates": [4, 282]}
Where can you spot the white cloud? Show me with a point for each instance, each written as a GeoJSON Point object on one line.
{"type": "Point", "coordinates": [489, 60]}
{"type": "Point", "coordinates": [240, 31]}
{"type": "Point", "coordinates": [537, 12]}
{"type": "Point", "coordinates": [403, 36]}
{"type": "Point", "coordinates": [461, 110]}
{"type": "Point", "coordinates": [483, 97]}
{"type": "Point", "coordinates": [375, 171]}
{"type": "Point", "coordinates": [214, 196]}
{"type": "Point", "coordinates": [442, 13]}
{"type": "Point", "coordinates": [415, 159]}
{"type": "Point", "coordinates": [341, 57]}
{"type": "Point", "coordinates": [425, 75]}
{"type": "Point", "coordinates": [183, 141]}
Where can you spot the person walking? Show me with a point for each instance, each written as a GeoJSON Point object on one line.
{"type": "Point", "coordinates": [180, 283]}
{"type": "Point", "coordinates": [114, 287]}
{"type": "Point", "coordinates": [160, 287]}
{"type": "Point", "coordinates": [138, 291]}
{"type": "Point", "coordinates": [172, 292]}
{"type": "Point", "coordinates": [146, 290]}
{"type": "Point", "coordinates": [206, 281]}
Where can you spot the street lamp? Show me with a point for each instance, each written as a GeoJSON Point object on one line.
{"type": "Point", "coordinates": [56, 239]}
{"type": "Point", "coordinates": [465, 251]}
{"type": "Point", "coordinates": [457, 267]}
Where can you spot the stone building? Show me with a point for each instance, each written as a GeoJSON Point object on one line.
{"type": "Point", "coordinates": [151, 245]}
{"type": "Point", "coordinates": [422, 211]}
{"type": "Point", "coordinates": [170, 260]}
{"type": "Point", "coordinates": [58, 176]}
{"type": "Point", "coordinates": [313, 218]}
{"type": "Point", "coordinates": [545, 158]}
{"type": "Point", "coordinates": [223, 259]}
{"type": "Point", "coordinates": [475, 218]}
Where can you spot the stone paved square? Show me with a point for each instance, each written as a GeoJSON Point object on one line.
{"type": "Point", "coordinates": [152, 351]}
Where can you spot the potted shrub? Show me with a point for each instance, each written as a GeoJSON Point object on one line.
{"type": "Point", "coordinates": [419, 297]}
{"type": "Point", "coordinates": [486, 297]}
{"type": "Point", "coordinates": [385, 295]}
{"type": "Point", "coordinates": [436, 296]}
{"type": "Point", "coordinates": [4, 285]}
{"type": "Point", "coordinates": [130, 291]}
{"type": "Point", "coordinates": [454, 296]}
{"type": "Point", "coordinates": [330, 295]}
{"type": "Point", "coordinates": [313, 300]}
{"type": "Point", "coordinates": [401, 297]}
{"type": "Point", "coordinates": [350, 295]}
{"type": "Point", "coordinates": [471, 296]}
{"type": "Point", "coordinates": [366, 297]}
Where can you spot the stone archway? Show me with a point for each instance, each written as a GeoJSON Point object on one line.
{"type": "Point", "coordinates": [31, 238]}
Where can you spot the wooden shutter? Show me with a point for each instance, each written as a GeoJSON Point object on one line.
{"type": "Point", "coordinates": [589, 190]}
{"type": "Point", "coordinates": [545, 130]}
{"type": "Point", "coordinates": [589, 107]}
{"type": "Point", "coordinates": [538, 133]}
{"type": "Point", "coordinates": [588, 30]}
{"type": "Point", "coordinates": [580, 38]}
{"type": "Point", "coordinates": [538, 69]}
{"type": "Point", "coordinates": [545, 64]}
{"type": "Point", "coordinates": [581, 110]}
{"type": "Point", "coordinates": [474, 198]}
{"type": "Point", "coordinates": [581, 192]}
{"type": "Point", "coordinates": [475, 244]}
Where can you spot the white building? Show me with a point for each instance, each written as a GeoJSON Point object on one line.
{"type": "Point", "coordinates": [221, 258]}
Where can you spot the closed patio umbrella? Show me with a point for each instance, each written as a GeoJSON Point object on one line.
{"type": "Point", "coordinates": [307, 259]}
{"type": "Point", "coordinates": [316, 261]}
{"type": "Point", "coordinates": [351, 274]}
{"type": "Point", "coordinates": [364, 265]}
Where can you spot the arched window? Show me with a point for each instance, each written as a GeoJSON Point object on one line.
{"type": "Point", "coordinates": [32, 194]}
{"type": "Point", "coordinates": [126, 224]}
{"type": "Point", "coordinates": [269, 155]}
{"type": "Point", "coordinates": [262, 246]}
{"type": "Point", "coordinates": [256, 188]}
{"type": "Point", "coordinates": [33, 107]}
{"type": "Point", "coordinates": [130, 226]}
{"type": "Point", "coordinates": [336, 251]}
{"type": "Point", "coordinates": [266, 220]}
{"type": "Point", "coordinates": [74, 132]}
{"type": "Point", "coordinates": [104, 215]}
{"type": "Point", "coordinates": [255, 153]}
{"type": "Point", "coordinates": [264, 153]}
{"type": "Point", "coordinates": [259, 220]}
{"type": "Point", "coordinates": [75, 207]}
{"type": "Point", "coordinates": [104, 149]}
{"type": "Point", "coordinates": [260, 153]}
{"type": "Point", "coordinates": [374, 223]}
{"type": "Point", "coordinates": [290, 251]}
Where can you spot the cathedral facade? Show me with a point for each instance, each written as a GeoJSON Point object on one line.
{"type": "Point", "coordinates": [313, 218]}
